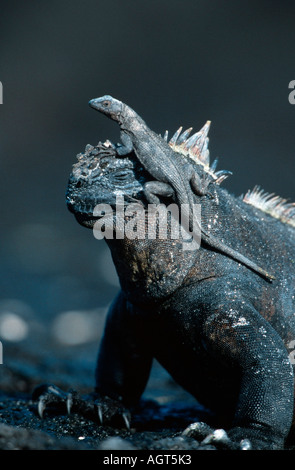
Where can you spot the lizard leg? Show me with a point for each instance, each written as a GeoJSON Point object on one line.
{"type": "Point", "coordinates": [198, 185]}
{"type": "Point", "coordinates": [154, 189]}
{"type": "Point", "coordinates": [127, 145]}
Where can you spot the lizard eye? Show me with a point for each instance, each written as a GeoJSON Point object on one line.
{"type": "Point", "coordinates": [106, 104]}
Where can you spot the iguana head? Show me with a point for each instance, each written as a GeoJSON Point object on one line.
{"type": "Point", "coordinates": [99, 177]}
{"type": "Point", "coordinates": [147, 268]}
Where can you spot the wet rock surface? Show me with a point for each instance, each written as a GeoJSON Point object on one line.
{"type": "Point", "coordinates": [157, 424]}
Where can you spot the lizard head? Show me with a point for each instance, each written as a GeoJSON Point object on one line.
{"type": "Point", "coordinates": [99, 177]}
{"type": "Point", "coordinates": [109, 106]}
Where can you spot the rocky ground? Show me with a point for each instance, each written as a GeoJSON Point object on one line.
{"type": "Point", "coordinates": [158, 423]}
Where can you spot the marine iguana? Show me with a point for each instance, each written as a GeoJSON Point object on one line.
{"type": "Point", "coordinates": [218, 328]}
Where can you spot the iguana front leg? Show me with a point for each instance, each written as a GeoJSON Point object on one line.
{"type": "Point", "coordinates": [123, 368]}
{"type": "Point", "coordinates": [124, 359]}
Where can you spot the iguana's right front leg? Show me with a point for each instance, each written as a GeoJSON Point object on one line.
{"type": "Point", "coordinates": [122, 371]}
{"type": "Point", "coordinates": [124, 359]}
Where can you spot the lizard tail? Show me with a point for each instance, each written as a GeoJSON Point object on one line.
{"type": "Point", "coordinates": [219, 246]}
{"type": "Point", "coordinates": [193, 222]}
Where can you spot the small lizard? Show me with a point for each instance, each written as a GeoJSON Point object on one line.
{"type": "Point", "coordinates": [169, 169]}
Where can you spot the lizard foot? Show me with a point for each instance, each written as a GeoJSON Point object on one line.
{"type": "Point", "coordinates": [102, 409]}
{"type": "Point", "coordinates": [217, 437]}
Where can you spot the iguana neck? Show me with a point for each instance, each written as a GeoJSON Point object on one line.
{"type": "Point", "coordinates": [150, 270]}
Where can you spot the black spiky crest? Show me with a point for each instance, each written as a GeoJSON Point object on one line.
{"type": "Point", "coordinates": [271, 204]}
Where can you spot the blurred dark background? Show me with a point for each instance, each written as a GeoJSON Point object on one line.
{"type": "Point", "coordinates": [176, 63]}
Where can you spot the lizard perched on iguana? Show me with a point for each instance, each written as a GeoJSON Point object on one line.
{"type": "Point", "coordinates": [219, 329]}
{"type": "Point", "coordinates": [169, 169]}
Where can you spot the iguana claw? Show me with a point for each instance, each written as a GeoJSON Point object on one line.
{"type": "Point", "coordinates": [126, 417]}
{"type": "Point", "coordinates": [110, 410]}
{"type": "Point", "coordinates": [100, 414]}
{"type": "Point", "coordinates": [41, 407]}
{"type": "Point", "coordinates": [94, 406]}
{"type": "Point", "coordinates": [69, 403]}
{"type": "Point", "coordinates": [49, 394]}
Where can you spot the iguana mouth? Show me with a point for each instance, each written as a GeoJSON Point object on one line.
{"type": "Point", "coordinates": [82, 210]}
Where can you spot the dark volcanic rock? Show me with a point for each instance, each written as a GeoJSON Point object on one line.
{"type": "Point", "coordinates": [155, 426]}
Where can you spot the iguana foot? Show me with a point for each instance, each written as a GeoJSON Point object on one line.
{"type": "Point", "coordinates": [217, 437]}
{"type": "Point", "coordinates": [260, 437]}
{"type": "Point", "coordinates": [237, 438]}
{"type": "Point", "coordinates": [49, 394]}
{"type": "Point", "coordinates": [102, 409]}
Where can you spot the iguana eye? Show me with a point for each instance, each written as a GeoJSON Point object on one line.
{"type": "Point", "coordinates": [106, 104]}
{"type": "Point", "coordinates": [122, 175]}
